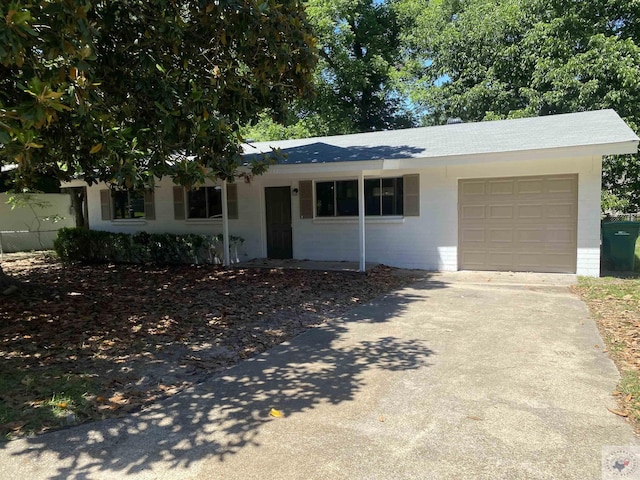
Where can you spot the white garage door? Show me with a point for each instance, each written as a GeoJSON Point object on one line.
{"type": "Point", "coordinates": [520, 224]}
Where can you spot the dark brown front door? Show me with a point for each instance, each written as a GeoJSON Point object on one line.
{"type": "Point", "coordinates": [278, 207]}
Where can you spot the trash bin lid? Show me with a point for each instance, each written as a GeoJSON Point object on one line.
{"type": "Point", "coordinates": [621, 225]}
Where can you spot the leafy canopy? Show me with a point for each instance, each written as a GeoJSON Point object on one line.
{"type": "Point", "coordinates": [125, 90]}
{"type": "Point", "coordinates": [489, 59]}
{"type": "Point", "coordinates": [354, 82]}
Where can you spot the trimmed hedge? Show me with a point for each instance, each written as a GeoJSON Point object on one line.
{"type": "Point", "coordinates": [95, 246]}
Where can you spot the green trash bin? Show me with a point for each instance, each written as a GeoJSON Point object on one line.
{"type": "Point", "coordinates": [619, 244]}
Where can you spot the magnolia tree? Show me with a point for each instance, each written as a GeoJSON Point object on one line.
{"type": "Point", "coordinates": [125, 91]}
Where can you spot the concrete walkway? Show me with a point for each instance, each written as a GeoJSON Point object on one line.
{"type": "Point", "coordinates": [470, 376]}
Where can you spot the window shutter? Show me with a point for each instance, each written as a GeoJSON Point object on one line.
{"type": "Point", "coordinates": [306, 198]}
{"type": "Point", "coordinates": [232, 201]}
{"type": "Point", "coordinates": [411, 200]}
{"type": "Point", "coordinates": [149, 205]}
{"type": "Point", "coordinates": [178, 203]}
{"type": "Point", "coordinates": [105, 204]}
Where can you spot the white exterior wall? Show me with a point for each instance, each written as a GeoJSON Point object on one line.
{"type": "Point", "coordinates": [246, 226]}
{"type": "Point", "coordinates": [409, 242]}
{"type": "Point", "coordinates": [426, 242]}
{"type": "Point", "coordinates": [20, 228]}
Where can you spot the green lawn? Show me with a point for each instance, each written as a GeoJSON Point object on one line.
{"type": "Point", "coordinates": [615, 305]}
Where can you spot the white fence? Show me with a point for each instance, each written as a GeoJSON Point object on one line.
{"type": "Point", "coordinates": [31, 227]}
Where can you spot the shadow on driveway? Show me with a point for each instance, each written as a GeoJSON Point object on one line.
{"type": "Point", "coordinates": [221, 416]}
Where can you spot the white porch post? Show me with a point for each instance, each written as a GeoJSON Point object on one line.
{"type": "Point", "coordinates": [361, 214]}
{"type": "Point", "coordinates": [225, 226]}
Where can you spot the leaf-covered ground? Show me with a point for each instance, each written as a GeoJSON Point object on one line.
{"type": "Point", "coordinates": [615, 304]}
{"type": "Point", "coordinates": [87, 342]}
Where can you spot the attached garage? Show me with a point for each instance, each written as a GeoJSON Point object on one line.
{"type": "Point", "coordinates": [519, 224]}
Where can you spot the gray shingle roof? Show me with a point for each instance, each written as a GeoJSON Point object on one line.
{"type": "Point", "coordinates": [597, 128]}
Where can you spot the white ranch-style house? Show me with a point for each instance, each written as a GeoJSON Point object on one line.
{"type": "Point", "coordinates": [508, 195]}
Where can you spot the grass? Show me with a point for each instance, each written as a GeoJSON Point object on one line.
{"type": "Point", "coordinates": [629, 390]}
{"type": "Point", "coordinates": [43, 401]}
{"type": "Point", "coordinates": [615, 304]}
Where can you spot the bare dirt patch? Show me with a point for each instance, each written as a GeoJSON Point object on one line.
{"type": "Point", "coordinates": [86, 342]}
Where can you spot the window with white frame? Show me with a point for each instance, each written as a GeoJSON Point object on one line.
{"type": "Point", "coordinates": [383, 197]}
{"type": "Point", "coordinates": [127, 204]}
{"type": "Point", "coordinates": [204, 202]}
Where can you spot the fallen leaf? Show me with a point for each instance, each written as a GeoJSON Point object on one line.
{"type": "Point", "coordinates": [474, 417]}
{"type": "Point", "coordinates": [276, 413]}
{"type": "Point", "coordinates": [618, 412]}
{"type": "Point", "coordinates": [12, 426]}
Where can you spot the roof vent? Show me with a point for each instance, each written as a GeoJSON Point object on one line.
{"type": "Point", "coordinates": [454, 120]}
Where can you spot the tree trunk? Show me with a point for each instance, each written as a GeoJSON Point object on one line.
{"type": "Point", "coordinates": [7, 284]}
{"type": "Point", "coordinates": [77, 203]}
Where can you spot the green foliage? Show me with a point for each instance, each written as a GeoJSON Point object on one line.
{"type": "Point", "coordinates": [355, 89]}
{"type": "Point", "coordinates": [128, 90]}
{"type": "Point", "coordinates": [488, 59]}
{"type": "Point", "coordinates": [40, 400]}
{"type": "Point", "coordinates": [611, 203]}
{"type": "Point", "coordinates": [268, 129]}
{"type": "Point", "coordinates": [95, 246]}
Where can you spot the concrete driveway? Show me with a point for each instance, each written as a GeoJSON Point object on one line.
{"type": "Point", "coordinates": [466, 375]}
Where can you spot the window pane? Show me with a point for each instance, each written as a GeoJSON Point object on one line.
{"type": "Point", "coordinates": [136, 205]}
{"type": "Point", "coordinates": [214, 198]}
{"type": "Point", "coordinates": [399, 196]}
{"type": "Point", "coordinates": [347, 198]}
{"type": "Point", "coordinates": [372, 196]}
{"type": "Point", "coordinates": [324, 199]}
{"type": "Point", "coordinates": [128, 204]}
{"type": "Point", "coordinates": [392, 196]}
{"type": "Point", "coordinates": [120, 201]}
{"type": "Point", "coordinates": [197, 203]}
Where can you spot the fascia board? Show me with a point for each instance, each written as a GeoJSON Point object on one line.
{"type": "Point", "coordinates": [310, 168]}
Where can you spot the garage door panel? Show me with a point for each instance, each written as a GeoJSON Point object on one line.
{"type": "Point", "coordinates": [530, 261]}
{"type": "Point", "coordinates": [519, 223]}
{"type": "Point", "coordinates": [530, 235]}
{"type": "Point", "coordinates": [500, 259]}
{"type": "Point", "coordinates": [475, 259]}
{"type": "Point", "coordinates": [473, 212]}
{"type": "Point", "coordinates": [531, 211]}
{"type": "Point", "coordinates": [564, 236]}
{"type": "Point", "coordinates": [564, 211]}
{"type": "Point", "coordinates": [501, 212]}
{"type": "Point", "coordinates": [561, 185]}
{"type": "Point", "coordinates": [473, 235]}
{"type": "Point", "coordinates": [559, 260]}
{"type": "Point", "coordinates": [501, 235]}
{"type": "Point", "coordinates": [501, 188]}
{"type": "Point", "coordinates": [533, 186]}
{"type": "Point", "coordinates": [473, 188]}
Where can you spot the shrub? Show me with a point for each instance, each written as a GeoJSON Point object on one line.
{"type": "Point", "coordinates": [95, 246]}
